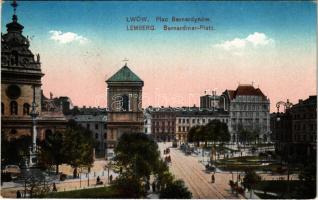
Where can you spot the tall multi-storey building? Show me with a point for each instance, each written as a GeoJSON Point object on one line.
{"type": "Point", "coordinates": [21, 83]}
{"type": "Point", "coordinates": [124, 100]}
{"type": "Point", "coordinates": [194, 116]}
{"type": "Point", "coordinates": [295, 130]}
{"type": "Point", "coordinates": [304, 127]}
{"type": "Point", "coordinates": [249, 109]}
{"type": "Point", "coordinates": [94, 119]}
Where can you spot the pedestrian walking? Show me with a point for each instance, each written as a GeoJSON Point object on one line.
{"type": "Point", "coordinates": [97, 180]}
{"type": "Point", "coordinates": [212, 178]}
{"type": "Point", "coordinates": [18, 194]}
{"type": "Point", "coordinates": [54, 188]}
{"type": "Point", "coordinates": [110, 178]}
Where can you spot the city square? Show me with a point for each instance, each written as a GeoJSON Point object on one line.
{"type": "Point", "coordinates": [151, 126]}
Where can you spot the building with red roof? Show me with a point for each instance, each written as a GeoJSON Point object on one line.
{"type": "Point", "coordinates": [249, 109]}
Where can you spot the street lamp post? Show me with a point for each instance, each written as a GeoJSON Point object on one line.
{"type": "Point", "coordinates": [108, 166]}
{"type": "Point", "coordinates": [88, 171]}
{"type": "Point", "coordinates": [80, 178]}
{"type": "Point", "coordinates": [287, 146]}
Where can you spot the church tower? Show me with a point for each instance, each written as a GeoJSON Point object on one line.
{"type": "Point", "coordinates": [20, 78]}
{"type": "Point", "coordinates": [21, 83]}
{"type": "Point", "coordinates": [124, 101]}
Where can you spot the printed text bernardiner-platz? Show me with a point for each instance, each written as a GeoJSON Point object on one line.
{"type": "Point", "coordinates": [142, 23]}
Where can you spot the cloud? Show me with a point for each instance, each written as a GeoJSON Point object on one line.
{"type": "Point", "coordinates": [67, 37]}
{"type": "Point", "coordinates": [256, 39]}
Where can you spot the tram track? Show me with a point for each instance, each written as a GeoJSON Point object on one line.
{"type": "Point", "coordinates": [207, 187]}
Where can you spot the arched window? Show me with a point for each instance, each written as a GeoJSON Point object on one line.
{"type": "Point", "coordinates": [2, 108]}
{"type": "Point", "coordinates": [14, 108]}
{"type": "Point", "coordinates": [125, 103]}
{"type": "Point", "coordinates": [26, 109]}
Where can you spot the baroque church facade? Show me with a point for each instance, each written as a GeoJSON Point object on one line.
{"type": "Point", "coordinates": [124, 101]}
{"type": "Point", "coordinates": [21, 76]}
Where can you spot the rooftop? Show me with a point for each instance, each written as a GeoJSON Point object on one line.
{"type": "Point", "coordinates": [124, 75]}
{"type": "Point", "coordinates": [245, 90]}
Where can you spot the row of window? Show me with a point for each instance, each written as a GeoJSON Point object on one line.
{"type": "Point", "coordinates": [305, 138]}
{"type": "Point", "coordinates": [14, 108]}
{"type": "Point", "coordinates": [88, 126]}
{"type": "Point", "coordinates": [183, 128]}
{"type": "Point", "coordinates": [162, 130]}
{"type": "Point", "coordinates": [258, 120]}
{"type": "Point", "coordinates": [163, 123]}
{"type": "Point", "coordinates": [305, 116]}
{"type": "Point", "coordinates": [198, 121]}
{"type": "Point", "coordinates": [242, 106]}
{"type": "Point", "coordinates": [249, 114]}
{"type": "Point", "coordinates": [310, 127]}
{"type": "Point", "coordinates": [105, 136]}
{"type": "Point", "coordinates": [237, 128]}
{"type": "Point", "coordinates": [249, 98]}
{"type": "Point", "coordinates": [163, 116]}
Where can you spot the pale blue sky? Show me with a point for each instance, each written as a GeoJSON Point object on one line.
{"type": "Point", "coordinates": [268, 42]}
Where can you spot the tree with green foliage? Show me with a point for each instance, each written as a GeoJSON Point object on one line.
{"type": "Point", "coordinates": [250, 179]}
{"type": "Point", "coordinates": [78, 146]}
{"type": "Point", "coordinates": [14, 150]}
{"type": "Point", "coordinates": [128, 186]}
{"type": "Point", "coordinates": [217, 131]}
{"type": "Point", "coordinates": [175, 190]}
{"type": "Point", "coordinates": [195, 134]}
{"type": "Point", "coordinates": [53, 151]}
{"type": "Point", "coordinates": [73, 146]}
{"type": "Point", "coordinates": [214, 131]}
{"type": "Point", "coordinates": [308, 176]}
{"type": "Point", "coordinates": [162, 174]}
{"type": "Point", "coordinates": [137, 156]}
{"type": "Point", "coordinates": [246, 136]}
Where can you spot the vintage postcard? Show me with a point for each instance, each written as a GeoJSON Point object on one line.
{"type": "Point", "coordinates": [159, 99]}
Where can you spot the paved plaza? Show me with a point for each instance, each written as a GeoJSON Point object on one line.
{"type": "Point", "coordinates": [9, 189]}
